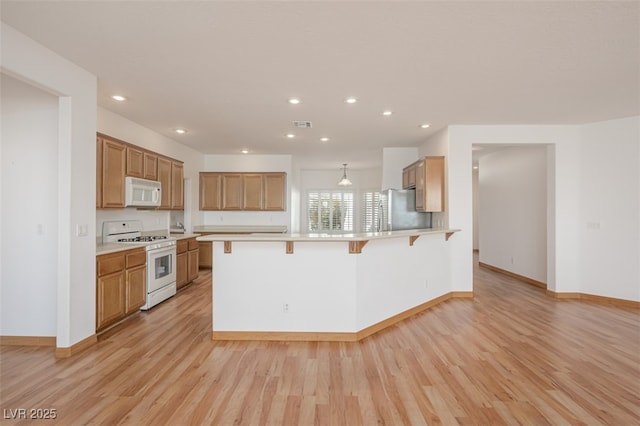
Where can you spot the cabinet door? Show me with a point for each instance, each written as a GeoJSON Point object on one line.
{"type": "Point", "coordinates": [136, 289]}
{"type": "Point", "coordinates": [210, 191]}
{"type": "Point", "coordinates": [405, 178]}
{"type": "Point", "coordinates": [412, 176]}
{"type": "Point", "coordinates": [150, 166]}
{"type": "Point", "coordinates": [110, 299]}
{"type": "Point", "coordinates": [135, 162]}
{"type": "Point", "coordinates": [177, 186]}
{"type": "Point", "coordinates": [98, 172]}
{"type": "Point", "coordinates": [252, 191]}
{"type": "Point", "coordinates": [434, 184]}
{"type": "Point", "coordinates": [204, 257]}
{"type": "Point", "coordinates": [420, 186]}
{"type": "Point", "coordinates": [164, 176]}
{"type": "Point", "coordinates": [193, 265]}
{"type": "Point", "coordinates": [232, 191]}
{"type": "Point", "coordinates": [182, 269]}
{"type": "Point", "coordinates": [113, 168]}
{"type": "Point", "coordinates": [275, 191]}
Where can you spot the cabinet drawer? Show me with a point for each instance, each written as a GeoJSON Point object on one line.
{"type": "Point", "coordinates": [182, 246]}
{"type": "Point", "coordinates": [136, 258]}
{"type": "Point", "coordinates": [110, 263]}
{"type": "Point", "coordinates": [193, 244]}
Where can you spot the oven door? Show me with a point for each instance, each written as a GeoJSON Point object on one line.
{"type": "Point", "coordinates": [161, 268]}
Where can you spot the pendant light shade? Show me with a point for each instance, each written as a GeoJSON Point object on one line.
{"type": "Point", "coordinates": [345, 180]}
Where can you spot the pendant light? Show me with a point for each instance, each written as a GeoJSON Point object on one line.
{"type": "Point", "coordinates": [345, 180]}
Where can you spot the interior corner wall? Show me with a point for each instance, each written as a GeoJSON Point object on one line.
{"type": "Point", "coordinates": [29, 210]}
{"type": "Point", "coordinates": [512, 212]}
{"type": "Point", "coordinates": [76, 89]}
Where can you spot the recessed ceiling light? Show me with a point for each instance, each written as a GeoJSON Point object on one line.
{"type": "Point", "coordinates": [291, 135]}
{"type": "Point", "coordinates": [294, 101]}
{"type": "Point", "coordinates": [424, 126]}
{"type": "Point", "coordinates": [181, 131]}
{"type": "Point", "coordinates": [387, 113]}
{"type": "Point", "coordinates": [245, 151]}
{"type": "Point", "coordinates": [351, 100]}
{"type": "Point", "coordinates": [119, 98]}
{"type": "Point", "coordinates": [324, 139]}
{"type": "Point", "coordinates": [475, 167]}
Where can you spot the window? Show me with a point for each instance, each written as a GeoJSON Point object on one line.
{"type": "Point", "coordinates": [330, 211]}
{"type": "Point", "coordinates": [371, 215]}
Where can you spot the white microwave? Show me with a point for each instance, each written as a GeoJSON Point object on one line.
{"type": "Point", "coordinates": [141, 192]}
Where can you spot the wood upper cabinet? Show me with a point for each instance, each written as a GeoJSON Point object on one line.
{"type": "Point", "coordinates": [275, 189]}
{"type": "Point", "coordinates": [252, 191]}
{"type": "Point", "coordinates": [430, 185]}
{"type": "Point", "coordinates": [177, 186]}
{"type": "Point", "coordinates": [116, 159]}
{"type": "Point", "coordinates": [210, 191]}
{"type": "Point", "coordinates": [121, 285]}
{"type": "Point", "coordinates": [409, 176]}
{"type": "Point", "coordinates": [243, 191]}
{"type": "Point", "coordinates": [150, 166]}
{"type": "Point", "coordinates": [113, 172]}
{"type": "Point", "coordinates": [164, 176]}
{"type": "Point", "coordinates": [232, 197]}
{"type": "Point", "coordinates": [98, 172]}
{"type": "Point", "coordinates": [135, 162]}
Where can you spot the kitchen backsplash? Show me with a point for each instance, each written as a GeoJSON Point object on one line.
{"type": "Point", "coordinates": [151, 219]}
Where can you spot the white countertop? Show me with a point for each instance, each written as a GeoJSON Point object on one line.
{"type": "Point", "coordinates": [365, 236]}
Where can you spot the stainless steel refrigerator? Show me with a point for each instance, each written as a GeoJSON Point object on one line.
{"type": "Point", "coordinates": [397, 211]}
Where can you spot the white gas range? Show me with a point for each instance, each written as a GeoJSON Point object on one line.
{"type": "Point", "coordinates": [161, 257]}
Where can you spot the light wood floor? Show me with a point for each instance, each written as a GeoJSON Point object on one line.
{"type": "Point", "coordinates": [509, 356]}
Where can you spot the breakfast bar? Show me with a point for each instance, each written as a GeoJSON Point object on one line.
{"type": "Point", "coordinates": [325, 286]}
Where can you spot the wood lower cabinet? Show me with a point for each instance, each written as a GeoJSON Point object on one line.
{"type": "Point", "coordinates": [243, 191]}
{"type": "Point", "coordinates": [187, 262]}
{"type": "Point", "coordinates": [206, 253]}
{"type": "Point", "coordinates": [121, 285]}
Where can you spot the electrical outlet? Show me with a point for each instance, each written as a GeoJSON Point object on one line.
{"type": "Point", "coordinates": [426, 283]}
{"type": "Point", "coordinates": [285, 308]}
{"type": "Point", "coordinates": [512, 260]}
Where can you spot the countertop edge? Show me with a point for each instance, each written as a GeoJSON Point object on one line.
{"type": "Point", "coordinates": [326, 237]}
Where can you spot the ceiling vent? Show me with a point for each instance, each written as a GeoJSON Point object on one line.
{"type": "Point", "coordinates": [302, 124]}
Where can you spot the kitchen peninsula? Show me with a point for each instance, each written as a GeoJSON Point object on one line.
{"type": "Point", "coordinates": [325, 286]}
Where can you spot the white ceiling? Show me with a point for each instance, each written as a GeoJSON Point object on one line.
{"type": "Point", "coordinates": [224, 70]}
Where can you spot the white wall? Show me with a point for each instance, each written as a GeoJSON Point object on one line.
{"type": "Point", "coordinates": [121, 128]}
{"type": "Point", "coordinates": [610, 208]}
{"type": "Point", "coordinates": [29, 210]}
{"type": "Point", "coordinates": [393, 161]}
{"type": "Point", "coordinates": [567, 265]}
{"type": "Point", "coordinates": [76, 90]}
{"type": "Point", "coordinates": [513, 210]}
{"type": "Point", "coordinates": [250, 163]}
